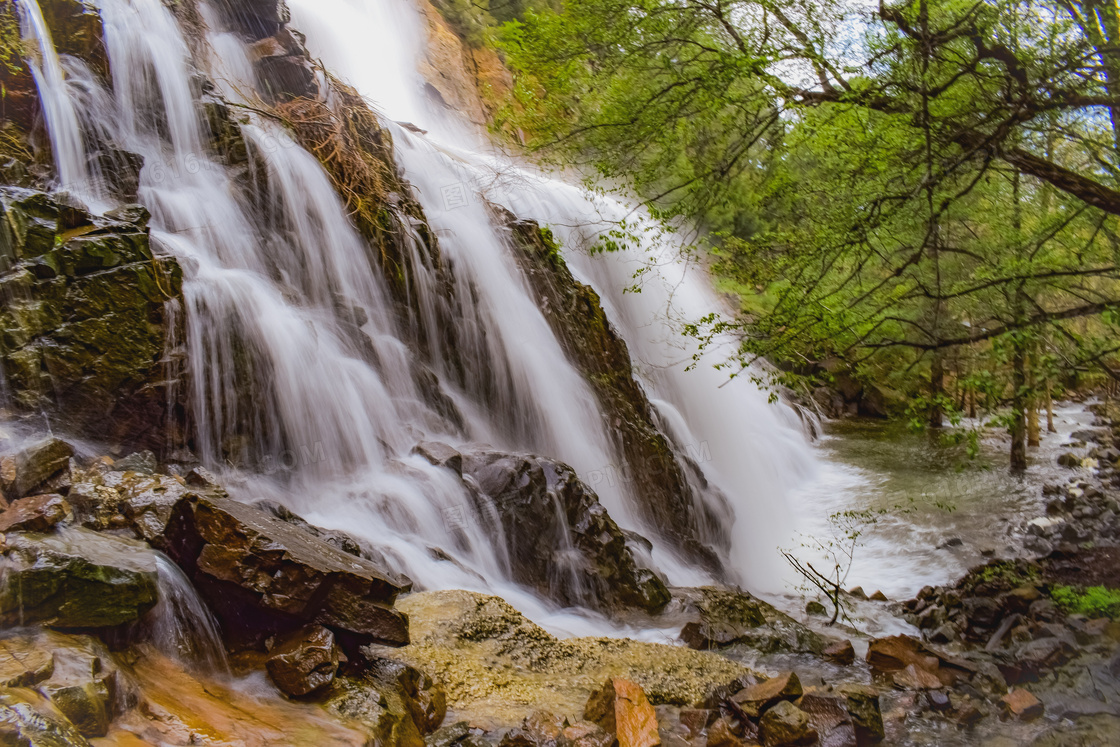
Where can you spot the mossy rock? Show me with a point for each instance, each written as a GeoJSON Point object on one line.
{"type": "Point", "coordinates": [77, 579]}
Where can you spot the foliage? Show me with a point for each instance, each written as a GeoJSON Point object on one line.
{"type": "Point", "coordinates": [1095, 601]}
{"type": "Point", "coordinates": [923, 193]}
{"type": "Point", "coordinates": [11, 40]}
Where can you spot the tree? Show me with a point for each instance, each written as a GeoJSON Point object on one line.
{"type": "Point", "coordinates": [887, 189]}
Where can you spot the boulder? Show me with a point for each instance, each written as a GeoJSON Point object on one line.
{"type": "Point", "coordinates": [423, 697]}
{"type": "Point", "coordinates": [36, 513]}
{"type": "Point", "coordinates": [76, 579]}
{"type": "Point", "coordinates": [84, 685]}
{"type": "Point", "coordinates": [263, 576]}
{"type": "Point", "coordinates": [915, 678]}
{"type": "Point", "coordinates": [304, 661]}
{"type": "Point", "coordinates": [620, 707]}
{"type": "Point", "coordinates": [786, 725]}
{"type": "Point", "coordinates": [546, 513]}
{"type": "Point", "coordinates": [725, 618]}
{"type": "Point", "coordinates": [33, 465]}
{"type": "Point", "coordinates": [23, 662]}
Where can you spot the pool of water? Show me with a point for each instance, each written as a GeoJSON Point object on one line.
{"type": "Point", "coordinates": [933, 496]}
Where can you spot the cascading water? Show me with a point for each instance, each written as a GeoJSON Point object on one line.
{"type": "Point", "coordinates": [180, 625]}
{"type": "Point", "coordinates": [304, 386]}
{"type": "Point", "coordinates": [753, 450]}
{"type": "Point", "coordinates": [58, 106]}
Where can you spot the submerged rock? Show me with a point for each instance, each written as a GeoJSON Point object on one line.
{"type": "Point", "coordinates": [27, 719]}
{"type": "Point", "coordinates": [263, 576]}
{"type": "Point", "coordinates": [786, 725]}
{"type": "Point", "coordinates": [560, 539]}
{"type": "Point", "coordinates": [76, 579]}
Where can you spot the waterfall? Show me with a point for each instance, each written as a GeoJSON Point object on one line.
{"type": "Point", "coordinates": [58, 106]}
{"type": "Point", "coordinates": [753, 450]}
{"type": "Point", "coordinates": [303, 378]}
{"type": "Point", "coordinates": [180, 625]}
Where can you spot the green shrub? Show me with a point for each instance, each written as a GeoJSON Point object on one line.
{"type": "Point", "coordinates": [1096, 601]}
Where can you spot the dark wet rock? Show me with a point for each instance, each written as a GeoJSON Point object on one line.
{"type": "Point", "coordinates": [1035, 657]}
{"type": "Point", "coordinates": [84, 325]}
{"type": "Point", "coordinates": [33, 465]}
{"type": "Point", "coordinates": [938, 701]}
{"type": "Point", "coordinates": [343, 541]}
{"type": "Point", "coordinates": [867, 717]}
{"type": "Point", "coordinates": [546, 513]}
{"type": "Point", "coordinates": [813, 607]}
{"type": "Point", "coordinates": [263, 576]}
{"type": "Point", "coordinates": [666, 475]}
{"type": "Point", "coordinates": [786, 725]}
{"type": "Point", "coordinates": [441, 455]}
{"type": "Point", "coordinates": [840, 652]}
{"type": "Point", "coordinates": [423, 697]}
{"type": "Point", "coordinates": [380, 709]}
{"type": "Point", "coordinates": [727, 618]}
{"type": "Point", "coordinates": [303, 661]}
{"type": "Point", "coordinates": [254, 18]}
{"type": "Point", "coordinates": [1069, 459]}
{"type": "Point", "coordinates": [621, 708]}
{"type": "Point", "coordinates": [35, 513]}
{"type": "Point", "coordinates": [76, 579]}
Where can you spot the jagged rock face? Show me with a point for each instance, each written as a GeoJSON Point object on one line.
{"type": "Point", "coordinates": [559, 537]}
{"type": "Point", "coordinates": [84, 324]}
{"type": "Point", "coordinates": [255, 19]}
{"type": "Point", "coordinates": [263, 576]}
{"type": "Point", "coordinates": [576, 316]}
{"type": "Point", "coordinates": [76, 579]}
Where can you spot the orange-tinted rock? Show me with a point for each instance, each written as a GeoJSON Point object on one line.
{"type": "Point", "coordinates": [622, 709]}
{"type": "Point", "coordinates": [36, 513]}
{"type": "Point", "coordinates": [1021, 704]}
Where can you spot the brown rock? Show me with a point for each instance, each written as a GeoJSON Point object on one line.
{"type": "Point", "coordinates": [621, 708]}
{"type": "Point", "coordinates": [786, 725]}
{"type": "Point", "coordinates": [879, 596]}
{"type": "Point", "coordinates": [841, 653]}
{"type": "Point", "coordinates": [265, 576]}
{"type": "Point", "coordinates": [1020, 704]}
{"type": "Point", "coordinates": [696, 720]}
{"type": "Point", "coordinates": [304, 661]}
{"type": "Point", "coordinates": [720, 734]}
{"type": "Point", "coordinates": [755, 699]}
{"type": "Point", "coordinates": [896, 653]}
{"type": "Point", "coordinates": [36, 513]}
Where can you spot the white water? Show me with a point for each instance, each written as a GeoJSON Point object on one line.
{"type": "Point", "coordinates": [181, 626]}
{"type": "Point", "coordinates": [58, 107]}
{"type": "Point", "coordinates": [303, 386]}
{"type": "Point", "coordinates": [754, 451]}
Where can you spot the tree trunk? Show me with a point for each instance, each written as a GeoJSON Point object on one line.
{"type": "Point", "coordinates": [1019, 410]}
